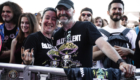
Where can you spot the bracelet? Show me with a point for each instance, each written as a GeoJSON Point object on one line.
{"type": "Point", "coordinates": [119, 61]}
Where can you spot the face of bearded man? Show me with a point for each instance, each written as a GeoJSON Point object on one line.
{"type": "Point", "coordinates": [64, 14]}
{"type": "Point", "coordinates": [7, 14]}
{"type": "Point", "coordinates": [116, 11]}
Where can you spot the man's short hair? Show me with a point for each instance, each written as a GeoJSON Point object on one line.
{"type": "Point", "coordinates": [115, 1]}
{"type": "Point", "coordinates": [16, 9]}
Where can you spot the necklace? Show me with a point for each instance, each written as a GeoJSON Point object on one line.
{"type": "Point", "coordinates": [67, 34]}
{"type": "Point", "coordinates": [50, 42]}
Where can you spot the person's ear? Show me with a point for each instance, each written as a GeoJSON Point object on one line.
{"type": "Point", "coordinates": [108, 12]}
{"type": "Point", "coordinates": [74, 11]}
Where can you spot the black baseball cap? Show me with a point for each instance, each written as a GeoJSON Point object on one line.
{"type": "Point", "coordinates": [67, 3]}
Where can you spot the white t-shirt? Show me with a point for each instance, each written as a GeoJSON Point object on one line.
{"type": "Point", "coordinates": [131, 35]}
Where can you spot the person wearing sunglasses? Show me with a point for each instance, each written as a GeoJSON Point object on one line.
{"type": "Point", "coordinates": [86, 15]}
{"type": "Point", "coordinates": [124, 21]}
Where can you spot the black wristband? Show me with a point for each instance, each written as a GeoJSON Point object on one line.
{"type": "Point", "coordinates": [119, 61]}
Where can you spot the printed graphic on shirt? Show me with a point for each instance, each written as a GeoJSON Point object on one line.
{"type": "Point", "coordinates": [100, 74]}
{"type": "Point", "coordinates": [68, 51]}
{"type": "Point", "coordinates": [74, 38]}
{"type": "Point", "coordinates": [54, 55]}
{"type": "Point", "coordinates": [7, 41]}
{"type": "Point", "coordinates": [46, 46]}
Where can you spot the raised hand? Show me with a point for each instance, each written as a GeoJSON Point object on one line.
{"type": "Point", "coordinates": [27, 56]}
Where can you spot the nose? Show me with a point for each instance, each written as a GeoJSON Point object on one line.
{"type": "Point", "coordinates": [63, 12]}
{"type": "Point", "coordinates": [5, 13]}
{"type": "Point", "coordinates": [117, 10]}
{"type": "Point", "coordinates": [24, 24]}
{"type": "Point", "coordinates": [50, 20]}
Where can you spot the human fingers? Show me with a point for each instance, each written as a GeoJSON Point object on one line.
{"type": "Point", "coordinates": [123, 57]}
{"type": "Point", "coordinates": [117, 46]}
{"type": "Point", "coordinates": [122, 67]}
{"type": "Point", "coordinates": [131, 71]}
{"type": "Point", "coordinates": [22, 53]}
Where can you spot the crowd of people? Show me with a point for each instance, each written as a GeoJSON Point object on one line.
{"type": "Point", "coordinates": [55, 39]}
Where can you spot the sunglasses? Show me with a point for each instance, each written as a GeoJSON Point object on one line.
{"type": "Point", "coordinates": [139, 20]}
{"type": "Point", "coordinates": [86, 14]}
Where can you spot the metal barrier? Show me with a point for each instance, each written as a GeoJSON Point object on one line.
{"type": "Point", "coordinates": [27, 70]}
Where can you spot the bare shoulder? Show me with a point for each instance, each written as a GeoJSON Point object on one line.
{"type": "Point", "coordinates": [14, 41]}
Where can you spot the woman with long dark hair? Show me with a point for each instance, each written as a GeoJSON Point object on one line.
{"type": "Point", "coordinates": [27, 24]}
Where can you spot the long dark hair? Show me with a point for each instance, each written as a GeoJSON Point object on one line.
{"type": "Point", "coordinates": [16, 9]}
{"type": "Point", "coordinates": [33, 26]}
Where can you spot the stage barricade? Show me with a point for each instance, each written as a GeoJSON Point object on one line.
{"type": "Point", "coordinates": [24, 72]}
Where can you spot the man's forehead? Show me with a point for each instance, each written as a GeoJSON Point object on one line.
{"type": "Point", "coordinates": [116, 5]}
{"type": "Point", "coordinates": [86, 12]}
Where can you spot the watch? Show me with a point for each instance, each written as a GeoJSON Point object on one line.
{"type": "Point", "coordinates": [119, 61]}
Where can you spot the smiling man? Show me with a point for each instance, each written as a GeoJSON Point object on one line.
{"type": "Point", "coordinates": [125, 50]}
{"type": "Point", "coordinates": [10, 13]}
{"type": "Point", "coordinates": [78, 53]}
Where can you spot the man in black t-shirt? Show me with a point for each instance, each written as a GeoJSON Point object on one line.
{"type": "Point", "coordinates": [75, 40]}
{"type": "Point", "coordinates": [10, 13]}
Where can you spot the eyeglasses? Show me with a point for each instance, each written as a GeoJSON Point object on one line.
{"type": "Point", "coordinates": [139, 20]}
{"type": "Point", "coordinates": [86, 14]}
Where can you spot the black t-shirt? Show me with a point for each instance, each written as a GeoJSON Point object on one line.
{"type": "Point", "coordinates": [9, 35]}
{"type": "Point", "coordinates": [77, 51]}
{"type": "Point", "coordinates": [137, 52]}
{"type": "Point", "coordinates": [44, 53]}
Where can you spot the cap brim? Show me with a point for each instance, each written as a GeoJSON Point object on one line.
{"type": "Point", "coordinates": [63, 4]}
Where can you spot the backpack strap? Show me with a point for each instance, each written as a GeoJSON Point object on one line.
{"type": "Point", "coordinates": [125, 31]}
{"type": "Point", "coordinates": [104, 32]}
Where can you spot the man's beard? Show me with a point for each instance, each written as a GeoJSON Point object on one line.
{"type": "Point", "coordinates": [116, 19]}
{"type": "Point", "coordinates": [64, 21]}
{"type": "Point", "coordinates": [8, 21]}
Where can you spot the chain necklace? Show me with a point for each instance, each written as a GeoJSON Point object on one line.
{"type": "Point", "coordinates": [50, 42]}
{"type": "Point", "coordinates": [67, 34]}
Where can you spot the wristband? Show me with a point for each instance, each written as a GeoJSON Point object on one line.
{"type": "Point", "coordinates": [119, 61]}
